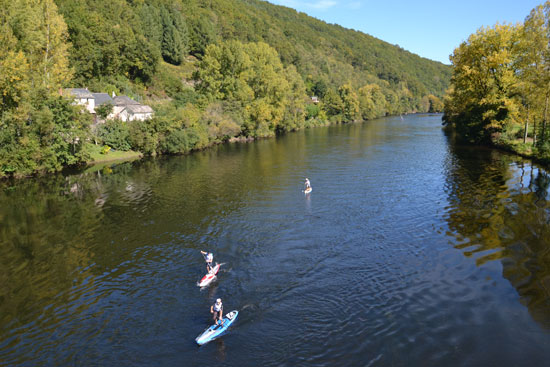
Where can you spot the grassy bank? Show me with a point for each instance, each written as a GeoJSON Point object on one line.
{"type": "Point", "coordinates": [526, 150]}
{"type": "Point", "coordinates": [99, 155]}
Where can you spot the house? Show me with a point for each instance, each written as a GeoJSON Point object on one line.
{"type": "Point", "coordinates": [102, 99]}
{"type": "Point", "coordinates": [83, 97]}
{"type": "Point", "coordinates": [315, 99]}
{"type": "Point", "coordinates": [126, 109]}
{"type": "Point", "coordinates": [136, 112]}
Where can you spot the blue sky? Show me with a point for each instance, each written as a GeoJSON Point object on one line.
{"type": "Point", "coordinates": [429, 28]}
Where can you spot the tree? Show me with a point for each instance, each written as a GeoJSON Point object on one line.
{"type": "Point", "coordinates": [252, 75]}
{"type": "Point", "coordinates": [174, 35]}
{"type": "Point", "coordinates": [108, 40]}
{"type": "Point", "coordinates": [350, 103]}
{"type": "Point", "coordinates": [435, 104]}
{"type": "Point", "coordinates": [14, 80]}
{"type": "Point", "coordinates": [332, 103]}
{"type": "Point", "coordinates": [38, 31]}
{"type": "Point", "coordinates": [104, 110]}
{"type": "Point", "coordinates": [534, 65]}
{"type": "Point", "coordinates": [201, 33]}
{"type": "Point", "coordinates": [483, 98]}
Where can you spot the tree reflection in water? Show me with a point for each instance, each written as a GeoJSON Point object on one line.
{"type": "Point", "coordinates": [499, 210]}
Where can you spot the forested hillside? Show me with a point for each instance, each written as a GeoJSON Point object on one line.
{"type": "Point", "coordinates": [211, 69]}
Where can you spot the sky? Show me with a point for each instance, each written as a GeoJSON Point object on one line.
{"type": "Point", "coordinates": [429, 28]}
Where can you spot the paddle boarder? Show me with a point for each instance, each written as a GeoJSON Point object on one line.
{"type": "Point", "coordinates": [208, 257]}
{"type": "Point", "coordinates": [217, 311]}
{"type": "Point", "coordinates": [307, 183]}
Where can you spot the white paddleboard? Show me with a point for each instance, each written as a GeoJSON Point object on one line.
{"type": "Point", "coordinates": [209, 277]}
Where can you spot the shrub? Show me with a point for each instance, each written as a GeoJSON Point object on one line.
{"type": "Point", "coordinates": [143, 137]}
{"type": "Point", "coordinates": [115, 133]}
{"type": "Point", "coordinates": [175, 142]}
{"type": "Point", "coordinates": [312, 111]}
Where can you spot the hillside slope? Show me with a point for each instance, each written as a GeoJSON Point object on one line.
{"type": "Point", "coordinates": [213, 70]}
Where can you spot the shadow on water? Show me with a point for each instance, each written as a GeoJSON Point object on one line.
{"type": "Point", "coordinates": [499, 211]}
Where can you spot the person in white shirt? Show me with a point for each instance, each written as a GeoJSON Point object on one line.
{"type": "Point", "coordinates": [217, 311]}
{"type": "Point", "coordinates": [208, 257]}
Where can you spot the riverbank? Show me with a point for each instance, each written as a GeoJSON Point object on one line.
{"type": "Point", "coordinates": [517, 147]}
{"type": "Point", "coordinates": [98, 156]}
{"type": "Point", "coordinates": [525, 150]}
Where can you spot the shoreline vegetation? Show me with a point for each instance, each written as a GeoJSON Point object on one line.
{"type": "Point", "coordinates": [225, 70]}
{"type": "Point", "coordinates": [500, 87]}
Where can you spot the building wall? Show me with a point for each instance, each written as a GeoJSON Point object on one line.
{"type": "Point", "coordinates": [139, 116]}
{"type": "Point", "coordinates": [89, 104]}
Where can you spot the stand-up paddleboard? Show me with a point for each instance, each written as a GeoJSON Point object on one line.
{"type": "Point", "coordinates": [308, 190]}
{"type": "Point", "coordinates": [209, 276]}
{"type": "Point", "coordinates": [216, 330]}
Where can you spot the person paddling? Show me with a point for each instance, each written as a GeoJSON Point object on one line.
{"type": "Point", "coordinates": [217, 311]}
{"type": "Point", "coordinates": [208, 257]}
{"type": "Point", "coordinates": [307, 183]}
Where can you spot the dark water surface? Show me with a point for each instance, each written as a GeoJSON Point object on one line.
{"type": "Point", "coordinates": [410, 251]}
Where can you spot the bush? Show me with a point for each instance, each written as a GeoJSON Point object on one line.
{"type": "Point", "coordinates": [116, 134]}
{"type": "Point", "coordinates": [175, 142]}
{"type": "Point", "coordinates": [143, 137]}
{"type": "Point", "coordinates": [185, 96]}
{"type": "Point", "coordinates": [312, 111]}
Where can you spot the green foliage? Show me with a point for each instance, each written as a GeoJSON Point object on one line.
{"type": "Point", "coordinates": [319, 88]}
{"type": "Point", "coordinates": [174, 35]}
{"type": "Point", "coordinates": [203, 33]}
{"type": "Point", "coordinates": [143, 137]}
{"type": "Point", "coordinates": [104, 110]}
{"type": "Point", "coordinates": [252, 76]}
{"type": "Point", "coordinates": [48, 138]}
{"type": "Point", "coordinates": [372, 102]}
{"type": "Point", "coordinates": [115, 133]}
{"type": "Point", "coordinates": [14, 81]}
{"type": "Point", "coordinates": [435, 104]}
{"type": "Point", "coordinates": [499, 81]}
{"type": "Point", "coordinates": [108, 39]}
{"type": "Point", "coordinates": [33, 48]}
{"type": "Point", "coordinates": [312, 111]}
{"type": "Point", "coordinates": [175, 142]}
{"type": "Point", "coordinates": [221, 126]}
{"type": "Point", "coordinates": [350, 103]}
{"type": "Point", "coordinates": [484, 96]}
{"type": "Point", "coordinates": [332, 103]}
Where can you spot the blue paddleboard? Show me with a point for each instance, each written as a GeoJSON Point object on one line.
{"type": "Point", "coordinates": [216, 330]}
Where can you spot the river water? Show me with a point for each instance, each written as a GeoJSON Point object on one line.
{"type": "Point", "coordinates": [410, 251]}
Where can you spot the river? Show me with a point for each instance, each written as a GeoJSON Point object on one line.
{"type": "Point", "coordinates": [410, 251]}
